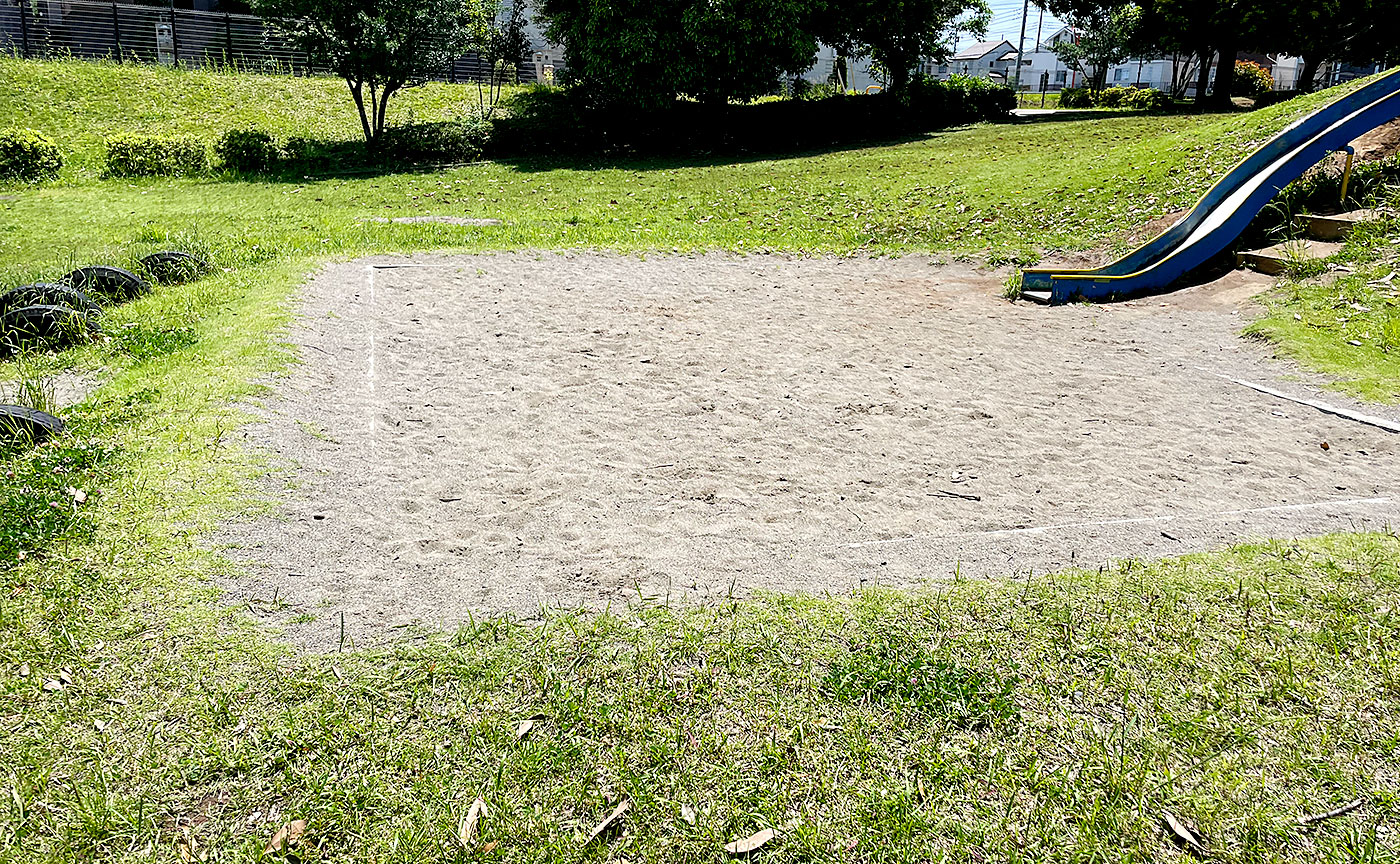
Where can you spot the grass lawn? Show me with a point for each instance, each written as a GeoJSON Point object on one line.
{"type": "Point", "coordinates": [1055, 718]}
{"type": "Point", "coordinates": [1345, 322]}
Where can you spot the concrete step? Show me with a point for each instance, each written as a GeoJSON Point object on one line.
{"type": "Point", "coordinates": [1275, 259]}
{"type": "Point", "coordinates": [1336, 227]}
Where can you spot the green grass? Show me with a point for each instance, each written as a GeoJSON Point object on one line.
{"type": "Point", "coordinates": [1344, 323]}
{"type": "Point", "coordinates": [1000, 192]}
{"type": "Point", "coordinates": [1049, 719]}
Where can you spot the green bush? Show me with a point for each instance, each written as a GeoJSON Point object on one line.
{"type": "Point", "coordinates": [1076, 97]}
{"type": "Point", "coordinates": [1147, 99]}
{"type": "Point", "coordinates": [961, 98]}
{"type": "Point", "coordinates": [134, 155]}
{"type": "Point", "coordinates": [28, 155]}
{"type": "Point", "coordinates": [1136, 98]}
{"type": "Point", "coordinates": [447, 141]}
{"type": "Point", "coordinates": [249, 151]}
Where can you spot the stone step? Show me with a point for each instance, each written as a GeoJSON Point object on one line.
{"type": "Point", "coordinates": [1338, 226]}
{"type": "Point", "coordinates": [1275, 259]}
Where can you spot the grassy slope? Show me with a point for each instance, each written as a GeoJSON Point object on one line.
{"type": "Point", "coordinates": [1345, 324]}
{"type": "Point", "coordinates": [1048, 720]}
{"type": "Point", "coordinates": [990, 190]}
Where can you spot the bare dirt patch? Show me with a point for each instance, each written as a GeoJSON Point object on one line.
{"type": "Point", "coordinates": [497, 433]}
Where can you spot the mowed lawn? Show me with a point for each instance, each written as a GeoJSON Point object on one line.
{"type": "Point", "coordinates": [998, 192]}
{"type": "Point", "coordinates": [1060, 717]}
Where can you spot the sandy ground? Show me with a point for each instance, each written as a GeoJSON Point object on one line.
{"type": "Point", "coordinates": [501, 433]}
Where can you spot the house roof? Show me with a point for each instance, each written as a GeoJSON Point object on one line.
{"type": "Point", "coordinates": [981, 49]}
{"type": "Point", "coordinates": [1008, 56]}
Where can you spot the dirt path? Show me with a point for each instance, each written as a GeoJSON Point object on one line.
{"type": "Point", "coordinates": [503, 432]}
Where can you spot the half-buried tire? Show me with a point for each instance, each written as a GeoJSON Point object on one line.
{"type": "Point", "coordinates": [43, 326]}
{"type": "Point", "coordinates": [103, 281]}
{"type": "Point", "coordinates": [47, 294]}
{"type": "Point", "coordinates": [174, 268]}
{"type": "Point", "coordinates": [20, 425]}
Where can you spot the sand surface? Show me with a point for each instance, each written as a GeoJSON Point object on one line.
{"type": "Point", "coordinates": [504, 432]}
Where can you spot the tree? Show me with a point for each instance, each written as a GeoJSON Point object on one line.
{"type": "Point", "coordinates": [645, 53]}
{"type": "Point", "coordinates": [899, 34]}
{"type": "Point", "coordinates": [501, 45]}
{"type": "Point", "coordinates": [1107, 32]}
{"type": "Point", "coordinates": [1324, 31]}
{"type": "Point", "coordinates": [379, 47]}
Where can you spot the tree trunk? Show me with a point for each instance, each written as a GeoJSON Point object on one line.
{"type": "Point", "coordinates": [899, 77]}
{"type": "Point", "coordinates": [1307, 77]}
{"type": "Point", "coordinates": [1224, 74]}
{"type": "Point", "coordinates": [357, 91]}
{"type": "Point", "coordinates": [1203, 77]}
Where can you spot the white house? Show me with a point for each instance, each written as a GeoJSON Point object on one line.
{"type": "Point", "coordinates": [1042, 66]}
{"type": "Point", "coordinates": [994, 60]}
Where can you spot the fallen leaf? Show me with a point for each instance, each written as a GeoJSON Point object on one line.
{"type": "Point", "coordinates": [524, 729]}
{"type": "Point", "coordinates": [749, 844]}
{"type": "Point", "coordinates": [286, 837]}
{"type": "Point", "coordinates": [487, 847]}
{"type": "Point", "coordinates": [466, 829]}
{"type": "Point", "coordinates": [99, 724]}
{"type": "Point", "coordinates": [612, 819]}
{"type": "Point", "coordinates": [53, 684]}
{"type": "Point", "coordinates": [65, 676]}
{"type": "Point", "coordinates": [1184, 835]}
{"type": "Point", "coordinates": [1326, 446]}
{"type": "Point", "coordinates": [24, 670]}
{"type": "Point", "coordinates": [687, 814]}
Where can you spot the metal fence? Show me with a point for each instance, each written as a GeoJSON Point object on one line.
{"type": "Point", "coordinates": [91, 30]}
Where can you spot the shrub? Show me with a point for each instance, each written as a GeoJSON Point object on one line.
{"type": "Point", "coordinates": [448, 141]}
{"type": "Point", "coordinates": [133, 155]}
{"type": "Point", "coordinates": [1110, 97]}
{"type": "Point", "coordinates": [1136, 98]}
{"type": "Point", "coordinates": [1251, 80]}
{"type": "Point", "coordinates": [961, 98]}
{"type": "Point", "coordinates": [1076, 97]}
{"type": "Point", "coordinates": [1147, 99]}
{"type": "Point", "coordinates": [28, 155]}
{"type": "Point", "coordinates": [247, 151]}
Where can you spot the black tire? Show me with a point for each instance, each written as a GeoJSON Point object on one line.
{"type": "Point", "coordinates": [174, 268]}
{"type": "Point", "coordinates": [47, 294]}
{"type": "Point", "coordinates": [20, 425]}
{"type": "Point", "coordinates": [103, 281]}
{"type": "Point", "coordinates": [42, 326]}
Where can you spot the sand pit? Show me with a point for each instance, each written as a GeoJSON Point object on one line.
{"type": "Point", "coordinates": [505, 432]}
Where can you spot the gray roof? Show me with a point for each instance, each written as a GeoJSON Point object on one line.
{"type": "Point", "coordinates": [980, 50]}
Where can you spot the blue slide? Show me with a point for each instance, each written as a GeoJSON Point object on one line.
{"type": "Point", "coordinates": [1228, 208]}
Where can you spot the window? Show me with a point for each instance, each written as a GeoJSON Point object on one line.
{"type": "Point", "coordinates": [1118, 74]}
{"type": "Point", "coordinates": [1061, 76]}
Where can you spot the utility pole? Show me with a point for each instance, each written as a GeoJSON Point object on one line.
{"type": "Point", "coordinates": [1021, 44]}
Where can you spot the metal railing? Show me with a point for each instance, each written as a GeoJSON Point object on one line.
{"type": "Point", "coordinates": [85, 29]}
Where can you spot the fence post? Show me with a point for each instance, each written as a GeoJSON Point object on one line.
{"type": "Point", "coordinates": [228, 39]}
{"type": "Point", "coordinates": [23, 29]}
{"type": "Point", "coordinates": [174, 36]}
{"type": "Point", "coordinates": [117, 30]}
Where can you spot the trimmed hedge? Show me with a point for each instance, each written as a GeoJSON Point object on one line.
{"type": "Point", "coordinates": [28, 155]}
{"type": "Point", "coordinates": [447, 141]}
{"type": "Point", "coordinates": [1134, 98]}
{"type": "Point", "coordinates": [134, 155]}
{"type": "Point", "coordinates": [548, 121]}
{"type": "Point", "coordinates": [247, 151]}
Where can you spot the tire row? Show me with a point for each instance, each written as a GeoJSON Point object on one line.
{"type": "Point", "coordinates": [50, 315]}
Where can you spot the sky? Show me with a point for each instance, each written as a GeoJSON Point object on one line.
{"type": "Point", "coordinates": [1006, 23]}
